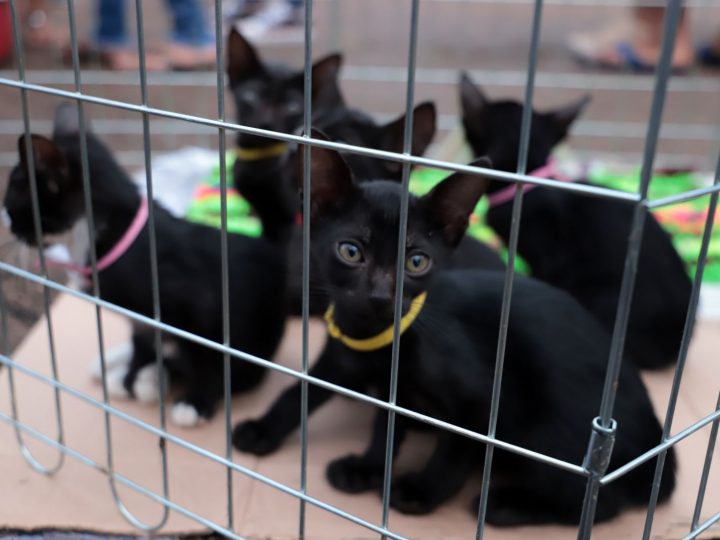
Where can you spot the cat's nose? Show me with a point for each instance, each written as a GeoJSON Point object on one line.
{"type": "Point", "coordinates": [381, 297]}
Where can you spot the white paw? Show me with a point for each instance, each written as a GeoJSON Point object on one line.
{"type": "Point", "coordinates": [146, 387]}
{"type": "Point", "coordinates": [185, 415]}
{"type": "Point", "coordinates": [115, 385]}
{"type": "Point", "coordinates": [116, 357]}
{"type": "Point", "coordinates": [5, 218]}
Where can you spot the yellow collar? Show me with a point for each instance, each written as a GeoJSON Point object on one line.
{"type": "Point", "coordinates": [380, 340]}
{"type": "Point", "coordinates": [256, 154]}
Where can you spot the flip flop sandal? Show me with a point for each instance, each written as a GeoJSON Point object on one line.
{"type": "Point", "coordinates": [708, 57]}
{"type": "Point", "coordinates": [628, 60]}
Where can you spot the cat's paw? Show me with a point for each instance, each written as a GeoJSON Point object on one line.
{"type": "Point", "coordinates": [502, 510]}
{"type": "Point", "coordinates": [253, 437]}
{"type": "Point", "coordinates": [116, 358]}
{"type": "Point", "coordinates": [353, 474]}
{"type": "Point", "coordinates": [185, 415]}
{"type": "Point", "coordinates": [146, 387]}
{"type": "Point", "coordinates": [411, 494]}
{"type": "Point", "coordinates": [116, 384]}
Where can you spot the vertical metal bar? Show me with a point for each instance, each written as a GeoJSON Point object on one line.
{"type": "Point", "coordinates": [160, 366]}
{"type": "Point", "coordinates": [307, 149]}
{"type": "Point", "coordinates": [704, 526]}
{"type": "Point", "coordinates": [37, 223]}
{"type": "Point", "coordinates": [510, 272]}
{"type": "Point", "coordinates": [682, 355]}
{"type": "Point", "coordinates": [687, 333]}
{"type": "Point", "coordinates": [225, 277]}
{"type": "Point", "coordinates": [400, 266]}
{"type": "Point", "coordinates": [92, 252]}
{"type": "Point", "coordinates": [672, 16]}
{"type": "Point", "coordinates": [706, 470]}
{"type": "Point", "coordinates": [87, 192]}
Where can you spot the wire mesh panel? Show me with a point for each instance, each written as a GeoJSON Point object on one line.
{"type": "Point", "coordinates": [215, 127]}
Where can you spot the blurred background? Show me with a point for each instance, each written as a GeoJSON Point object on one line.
{"type": "Point", "coordinates": [489, 38]}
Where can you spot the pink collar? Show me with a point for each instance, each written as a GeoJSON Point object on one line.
{"type": "Point", "coordinates": [549, 170]}
{"type": "Point", "coordinates": [118, 249]}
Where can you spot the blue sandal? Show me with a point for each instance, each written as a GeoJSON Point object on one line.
{"type": "Point", "coordinates": [708, 57]}
{"type": "Point", "coordinates": [628, 60]}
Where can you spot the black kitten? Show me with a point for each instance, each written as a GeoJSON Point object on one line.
{"type": "Point", "coordinates": [271, 97]}
{"type": "Point", "coordinates": [357, 128]}
{"type": "Point", "coordinates": [353, 126]}
{"type": "Point", "coordinates": [554, 372]}
{"type": "Point", "coordinates": [188, 264]}
{"type": "Point", "coordinates": [579, 243]}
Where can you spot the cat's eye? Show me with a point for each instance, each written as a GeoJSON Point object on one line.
{"type": "Point", "coordinates": [417, 264]}
{"type": "Point", "coordinates": [350, 252]}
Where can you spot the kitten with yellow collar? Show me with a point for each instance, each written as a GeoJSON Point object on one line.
{"type": "Point", "coordinates": [554, 368]}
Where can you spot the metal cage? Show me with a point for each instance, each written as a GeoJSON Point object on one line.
{"type": "Point", "coordinates": [600, 432]}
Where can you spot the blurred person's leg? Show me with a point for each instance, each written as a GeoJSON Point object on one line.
{"type": "Point", "coordinates": [633, 43]}
{"type": "Point", "coordinates": [38, 31]}
{"type": "Point", "coordinates": [192, 45]}
{"type": "Point", "coordinates": [111, 24]}
{"type": "Point", "coordinates": [111, 38]}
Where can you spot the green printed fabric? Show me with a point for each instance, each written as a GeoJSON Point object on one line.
{"type": "Point", "coordinates": [683, 221]}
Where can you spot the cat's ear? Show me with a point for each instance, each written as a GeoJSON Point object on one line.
{"type": "Point", "coordinates": [331, 180]}
{"type": "Point", "coordinates": [424, 121]}
{"type": "Point", "coordinates": [423, 131]}
{"type": "Point", "coordinates": [451, 202]}
{"type": "Point", "coordinates": [325, 73]}
{"type": "Point", "coordinates": [564, 117]}
{"type": "Point", "coordinates": [472, 99]}
{"type": "Point", "coordinates": [46, 155]}
{"type": "Point", "coordinates": [242, 58]}
{"type": "Point", "coordinates": [67, 119]}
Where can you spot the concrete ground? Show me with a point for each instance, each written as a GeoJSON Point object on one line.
{"type": "Point", "coordinates": [489, 39]}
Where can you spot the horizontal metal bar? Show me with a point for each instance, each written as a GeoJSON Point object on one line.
{"type": "Point", "coordinates": [103, 126]}
{"type": "Point", "coordinates": [636, 130]}
{"type": "Point", "coordinates": [703, 527]}
{"type": "Point", "coordinates": [82, 458]}
{"type": "Point", "coordinates": [647, 456]}
{"type": "Point", "coordinates": [189, 446]}
{"type": "Point", "coordinates": [390, 74]}
{"type": "Point", "coordinates": [136, 159]}
{"type": "Point", "coordinates": [447, 122]}
{"type": "Point", "coordinates": [683, 197]}
{"type": "Point", "coordinates": [293, 373]}
{"type": "Point", "coordinates": [583, 189]}
{"type": "Point", "coordinates": [548, 80]}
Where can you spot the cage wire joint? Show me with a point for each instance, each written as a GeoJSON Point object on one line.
{"type": "Point", "coordinates": [600, 447]}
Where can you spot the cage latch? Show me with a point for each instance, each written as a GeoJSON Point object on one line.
{"type": "Point", "coordinates": [600, 448]}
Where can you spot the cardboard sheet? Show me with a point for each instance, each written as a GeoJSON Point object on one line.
{"type": "Point", "coordinates": [79, 496]}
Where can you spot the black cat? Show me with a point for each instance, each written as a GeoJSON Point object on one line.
{"type": "Point", "coordinates": [271, 97]}
{"type": "Point", "coordinates": [579, 243]}
{"type": "Point", "coordinates": [554, 371]}
{"type": "Point", "coordinates": [188, 264]}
